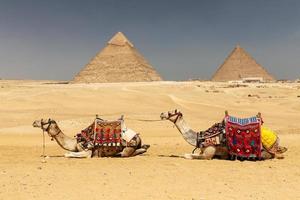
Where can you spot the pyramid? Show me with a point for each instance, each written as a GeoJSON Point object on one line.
{"type": "Point", "coordinates": [118, 61]}
{"type": "Point", "coordinates": [238, 65]}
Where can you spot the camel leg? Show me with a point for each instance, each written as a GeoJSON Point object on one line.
{"type": "Point", "coordinates": [278, 154]}
{"type": "Point", "coordinates": [266, 155]}
{"type": "Point", "coordinates": [207, 154]}
{"type": "Point", "coordinates": [139, 151]}
{"type": "Point", "coordinates": [127, 152]}
{"type": "Point", "coordinates": [130, 151]}
{"type": "Point", "coordinates": [79, 147]}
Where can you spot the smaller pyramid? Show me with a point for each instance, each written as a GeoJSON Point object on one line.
{"type": "Point", "coordinates": [118, 61]}
{"type": "Point", "coordinates": [238, 65]}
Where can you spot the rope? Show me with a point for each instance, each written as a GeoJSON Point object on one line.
{"type": "Point", "coordinates": [134, 119]}
{"type": "Point", "coordinates": [44, 156]}
{"type": "Point", "coordinates": [44, 146]}
{"type": "Point", "coordinates": [144, 120]}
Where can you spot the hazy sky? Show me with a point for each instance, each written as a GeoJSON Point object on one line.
{"type": "Point", "coordinates": [54, 39]}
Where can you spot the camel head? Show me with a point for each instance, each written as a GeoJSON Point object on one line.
{"type": "Point", "coordinates": [173, 116]}
{"type": "Point", "coordinates": [45, 125]}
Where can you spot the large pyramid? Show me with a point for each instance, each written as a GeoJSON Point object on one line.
{"type": "Point", "coordinates": [238, 65]}
{"type": "Point", "coordinates": [119, 61]}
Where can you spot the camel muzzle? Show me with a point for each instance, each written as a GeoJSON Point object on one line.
{"type": "Point", "coordinates": [36, 124]}
{"type": "Point", "coordinates": [162, 116]}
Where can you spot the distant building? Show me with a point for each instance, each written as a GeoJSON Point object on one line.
{"type": "Point", "coordinates": [253, 80]}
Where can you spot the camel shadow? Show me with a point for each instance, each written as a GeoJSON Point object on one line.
{"type": "Point", "coordinates": [53, 156]}
{"type": "Point", "coordinates": [214, 158]}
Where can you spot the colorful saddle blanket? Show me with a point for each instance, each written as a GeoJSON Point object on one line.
{"type": "Point", "coordinates": [215, 135]}
{"type": "Point", "coordinates": [243, 136]}
{"type": "Point", "coordinates": [101, 133]}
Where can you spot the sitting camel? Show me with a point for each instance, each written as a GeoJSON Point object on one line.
{"type": "Point", "coordinates": [127, 149]}
{"type": "Point", "coordinates": [210, 151]}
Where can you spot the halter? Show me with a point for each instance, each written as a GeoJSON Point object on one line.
{"type": "Point", "coordinates": [178, 114]}
{"type": "Point", "coordinates": [47, 129]}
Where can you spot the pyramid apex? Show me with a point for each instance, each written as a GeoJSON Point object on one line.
{"type": "Point", "coordinates": [119, 39]}
{"type": "Point", "coordinates": [238, 46]}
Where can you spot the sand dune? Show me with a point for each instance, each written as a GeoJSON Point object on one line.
{"type": "Point", "coordinates": [154, 175]}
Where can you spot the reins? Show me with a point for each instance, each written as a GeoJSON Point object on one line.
{"type": "Point", "coordinates": [144, 120]}
{"type": "Point", "coordinates": [44, 145]}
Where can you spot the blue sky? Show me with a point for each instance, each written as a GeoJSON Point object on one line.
{"type": "Point", "coordinates": [182, 39]}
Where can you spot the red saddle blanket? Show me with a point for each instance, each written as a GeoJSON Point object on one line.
{"type": "Point", "coordinates": [101, 133]}
{"type": "Point", "coordinates": [243, 136]}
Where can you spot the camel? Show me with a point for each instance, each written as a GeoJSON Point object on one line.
{"type": "Point", "coordinates": [77, 151]}
{"type": "Point", "coordinates": [209, 152]}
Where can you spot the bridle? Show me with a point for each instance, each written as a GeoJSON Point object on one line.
{"type": "Point", "coordinates": [177, 114]}
{"type": "Point", "coordinates": [49, 122]}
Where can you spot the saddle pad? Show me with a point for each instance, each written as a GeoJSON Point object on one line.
{"type": "Point", "coordinates": [243, 136]}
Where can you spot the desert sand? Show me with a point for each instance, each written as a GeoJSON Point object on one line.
{"type": "Point", "coordinates": [156, 174]}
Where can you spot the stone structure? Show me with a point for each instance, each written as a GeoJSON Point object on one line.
{"type": "Point", "coordinates": [119, 61]}
{"type": "Point", "coordinates": [240, 65]}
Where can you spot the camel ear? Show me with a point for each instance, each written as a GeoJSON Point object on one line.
{"type": "Point", "coordinates": [49, 120]}
{"type": "Point", "coordinates": [175, 110]}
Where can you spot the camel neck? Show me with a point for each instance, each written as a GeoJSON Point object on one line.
{"type": "Point", "coordinates": [67, 143]}
{"type": "Point", "coordinates": [188, 134]}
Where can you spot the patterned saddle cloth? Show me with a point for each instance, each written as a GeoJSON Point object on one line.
{"type": "Point", "coordinates": [215, 135]}
{"type": "Point", "coordinates": [243, 136]}
{"type": "Point", "coordinates": [101, 133]}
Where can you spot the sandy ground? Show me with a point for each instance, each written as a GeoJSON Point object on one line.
{"type": "Point", "coordinates": [154, 175]}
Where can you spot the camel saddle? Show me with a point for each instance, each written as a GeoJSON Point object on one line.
{"type": "Point", "coordinates": [215, 135]}
{"type": "Point", "coordinates": [243, 136]}
{"type": "Point", "coordinates": [101, 133]}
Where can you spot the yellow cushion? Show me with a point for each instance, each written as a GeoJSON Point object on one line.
{"type": "Point", "coordinates": [268, 137]}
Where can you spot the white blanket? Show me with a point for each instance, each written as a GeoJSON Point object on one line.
{"type": "Point", "coordinates": [128, 134]}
